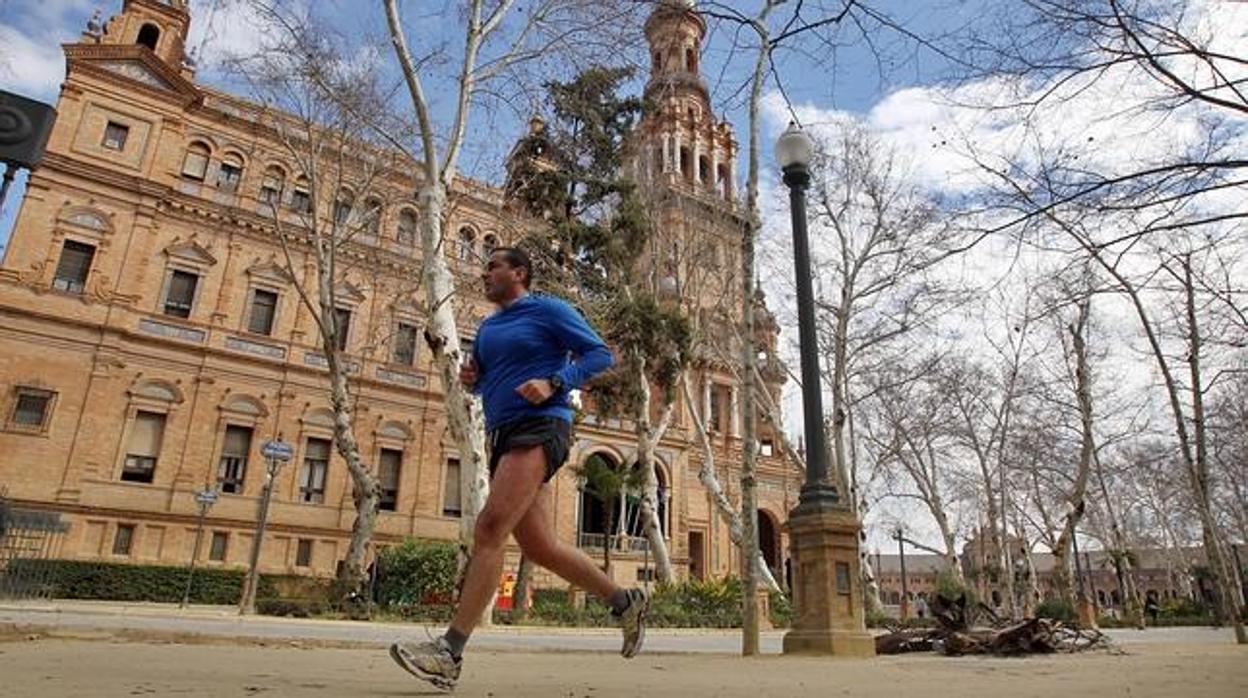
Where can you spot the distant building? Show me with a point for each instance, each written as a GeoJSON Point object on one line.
{"type": "Point", "coordinates": [1159, 572]}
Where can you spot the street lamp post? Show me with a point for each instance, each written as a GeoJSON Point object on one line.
{"type": "Point", "coordinates": [905, 590]}
{"type": "Point", "coordinates": [205, 499]}
{"type": "Point", "coordinates": [275, 453]}
{"type": "Point", "coordinates": [794, 150]}
{"type": "Point", "coordinates": [824, 534]}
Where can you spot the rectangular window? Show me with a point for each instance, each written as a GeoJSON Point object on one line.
{"type": "Point", "coordinates": [405, 344]}
{"type": "Point", "coordinates": [195, 164]}
{"type": "Point", "coordinates": [181, 295]}
{"type": "Point", "coordinates": [451, 504]}
{"type": "Point", "coordinates": [315, 466]}
{"type": "Point", "coordinates": [388, 473]}
{"type": "Point", "coordinates": [146, 435]}
{"type": "Point", "coordinates": [303, 553]}
{"type": "Point", "coordinates": [767, 448]}
{"type": "Point", "coordinates": [73, 267]}
{"type": "Point", "coordinates": [32, 409]}
{"type": "Point", "coordinates": [270, 193]}
{"type": "Point", "coordinates": [715, 418]}
{"type": "Point", "coordinates": [301, 201]}
{"type": "Point", "coordinates": [228, 176]}
{"type": "Point", "coordinates": [220, 540]}
{"type": "Point", "coordinates": [233, 466]}
{"type": "Point", "coordinates": [263, 312]}
{"type": "Point", "coordinates": [124, 539]}
{"type": "Point", "coordinates": [115, 136]}
{"type": "Point", "coordinates": [342, 327]}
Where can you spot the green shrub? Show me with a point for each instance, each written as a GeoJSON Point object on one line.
{"type": "Point", "coordinates": [879, 619]}
{"type": "Point", "coordinates": [781, 610]}
{"type": "Point", "coordinates": [951, 589]}
{"type": "Point", "coordinates": [112, 581]}
{"type": "Point", "coordinates": [1056, 609]}
{"type": "Point", "coordinates": [1181, 608]}
{"type": "Point", "coordinates": [294, 608]}
{"type": "Point", "coordinates": [417, 574]}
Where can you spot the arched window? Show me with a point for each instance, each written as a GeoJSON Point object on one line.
{"type": "Point", "coordinates": [406, 234]}
{"type": "Point", "coordinates": [231, 172]}
{"type": "Point", "coordinates": [633, 521]}
{"type": "Point", "coordinates": [691, 60]}
{"type": "Point", "coordinates": [149, 36]}
{"type": "Point", "coordinates": [195, 163]}
{"type": "Point", "coordinates": [301, 196]}
{"type": "Point", "coordinates": [600, 511]}
{"type": "Point", "coordinates": [488, 244]}
{"type": "Point", "coordinates": [467, 250]}
{"type": "Point", "coordinates": [686, 164]}
{"type": "Point", "coordinates": [343, 206]}
{"type": "Point", "coordinates": [272, 186]}
{"type": "Point", "coordinates": [372, 216]}
{"type": "Point", "coordinates": [704, 169]}
{"type": "Point", "coordinates": [723, 182]}
{"type": "Point", "coordinates": [658, 61]}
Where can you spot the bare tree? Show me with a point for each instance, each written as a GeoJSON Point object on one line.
{"type": "Point", "coordinates": [324, 113]}
{"type": "Point", "coordinates": [906, 427]}
{"type": "Point", "coordinates": [499, 39]}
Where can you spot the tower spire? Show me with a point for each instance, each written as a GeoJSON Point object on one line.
{"type": "Point", "coordinates": [681, 141]}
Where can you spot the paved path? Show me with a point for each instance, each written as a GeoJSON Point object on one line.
{"type": "Point", "coordinates": [54, 668]}
{"type": "Point", "coordinates": [223, 623]}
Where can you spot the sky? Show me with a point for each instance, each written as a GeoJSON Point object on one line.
{"type": "Point", "coordinates": [31, 62]}
{"type": "Point", "coordinates": [906, 86]}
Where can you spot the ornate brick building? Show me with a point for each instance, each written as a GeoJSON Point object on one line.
{"type": "Point", "coordinates": [151, 339]}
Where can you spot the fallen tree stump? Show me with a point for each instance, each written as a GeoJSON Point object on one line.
{"type": "Point", "coordinates": [1030, 636]}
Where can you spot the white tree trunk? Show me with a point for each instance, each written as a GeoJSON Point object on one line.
{"type": "Point", "coordinates": [648, 437]}
{"type": "Point", "coordinates": [706, 475]}
{"type": "Point", "coordinates": [463, 410]}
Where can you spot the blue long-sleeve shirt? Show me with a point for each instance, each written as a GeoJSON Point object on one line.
{"type": "Point", "coordinates": [534, 337]}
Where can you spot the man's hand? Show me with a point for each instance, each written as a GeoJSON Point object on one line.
{"type": "Point", "coordinates": [468, 373]}
{"type": "Point", "coordinates": [536, 391]}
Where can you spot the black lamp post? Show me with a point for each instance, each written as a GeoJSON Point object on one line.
{"type": "Point", "coordinates": [904, 610]}
{"type": "Point", "coordinates": [794, 150]}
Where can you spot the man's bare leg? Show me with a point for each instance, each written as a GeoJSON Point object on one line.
{"type": "Point", "coordinates": [516, 484]}
{"type": "Point", "coordinates": [536, 536]}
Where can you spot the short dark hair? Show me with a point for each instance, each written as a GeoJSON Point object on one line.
{"type": "Point", "coordinates": [517, 258]}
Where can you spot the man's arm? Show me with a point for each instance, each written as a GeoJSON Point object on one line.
{"type": "Point", "coordinates": [592, 356]}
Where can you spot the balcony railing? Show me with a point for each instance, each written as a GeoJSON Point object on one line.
{"type": "Point", "coordinates": [596, 541]}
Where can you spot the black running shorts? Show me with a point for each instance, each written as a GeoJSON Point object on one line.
{"type": "Point", "coordinates": [554, 435]}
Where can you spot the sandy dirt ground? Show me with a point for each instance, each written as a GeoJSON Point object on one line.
{"type": "Point", "coordinates": [62, 667]}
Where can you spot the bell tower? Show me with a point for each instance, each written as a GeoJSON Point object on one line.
{"type": "Point", "coordinates": [681, 142]}
{"type": "Point", "coordinates": [159, 25]}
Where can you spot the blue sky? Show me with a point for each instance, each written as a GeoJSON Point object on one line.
{"type": "Point", "coordinates": [857, 78]}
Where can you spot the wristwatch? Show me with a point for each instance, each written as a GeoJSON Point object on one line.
{"type": "Point", "coordinates": [556, 383]}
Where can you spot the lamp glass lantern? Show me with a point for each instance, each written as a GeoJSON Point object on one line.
{"type": "Point", "coordinates": [794, 148]}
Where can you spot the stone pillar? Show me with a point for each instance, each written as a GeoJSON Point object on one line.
{"type": "Point", "coordinates": [828, 617]}
{"type": "Point", "coordinates": [734, 413]}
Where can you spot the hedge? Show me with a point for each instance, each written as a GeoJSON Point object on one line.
{"type": "Point", "coordinates": [709, 604]}
{"type": "Point", "coordinates": [110, 581]}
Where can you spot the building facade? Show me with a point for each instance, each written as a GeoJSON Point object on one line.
{"type": "Point", "coordinates": [151, 338]}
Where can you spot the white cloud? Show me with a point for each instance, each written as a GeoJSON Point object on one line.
{"type": "Point", "coordinates": [30, 65]}
{"type": "Point", "coordinates": [225, 29]}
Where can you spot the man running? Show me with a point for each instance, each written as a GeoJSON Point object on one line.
{"type": "Point", "coordinates": [520, 368]}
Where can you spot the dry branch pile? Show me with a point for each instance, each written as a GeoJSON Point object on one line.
{"type": "Point", "coordinates": [976, 629]}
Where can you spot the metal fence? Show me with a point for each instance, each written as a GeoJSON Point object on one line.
{"type": "Point", "coordinates": [27, 535]}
